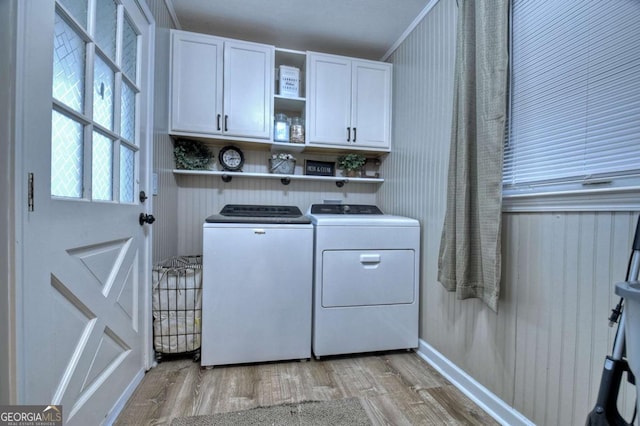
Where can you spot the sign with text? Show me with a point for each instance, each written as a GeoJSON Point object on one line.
{"type": "Point", "coordinates": [319, 168]}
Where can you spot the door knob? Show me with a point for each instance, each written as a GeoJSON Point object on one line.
{"type": "Point", "coordinates": [143, 196]}
{"type": "Point", "coordinates": [146, 218]}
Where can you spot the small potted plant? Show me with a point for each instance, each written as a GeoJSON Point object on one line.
{"type": "Point", "coordinates": [351, 164]}
{"type": "Point", "coordinates": [192, 155]}
{"type": "Point", "coordinates": [282, 163]}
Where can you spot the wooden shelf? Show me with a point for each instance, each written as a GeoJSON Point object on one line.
{"type": "Point", "coordinates": [339, 180]}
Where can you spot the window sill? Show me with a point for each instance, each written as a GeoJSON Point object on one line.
{"type": "Point", "coordinates": [601, 199]}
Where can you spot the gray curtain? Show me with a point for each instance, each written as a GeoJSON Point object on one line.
{"type": "Point", "coordinates": [469, 260]}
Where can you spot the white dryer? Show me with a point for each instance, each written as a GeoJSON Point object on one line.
{"type": "Point", "coordinates": [366, 280]}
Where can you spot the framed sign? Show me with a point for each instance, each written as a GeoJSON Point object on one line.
{"type": "Point", "coordinates": [319, 168]}
{"type": "Point", "coordinates": [371, 168]}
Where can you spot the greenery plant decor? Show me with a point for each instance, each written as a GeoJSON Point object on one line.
{"type": "Point", "coordinates": [351, 163]}
{"type": "Point", "coordinates": [192, 155]}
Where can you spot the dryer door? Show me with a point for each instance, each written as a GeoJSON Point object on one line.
{"type": "Point", "coordinates": [367, 277]}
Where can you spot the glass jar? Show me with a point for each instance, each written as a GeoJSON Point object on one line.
{"type": "Point", "coordinates": [281, 128]}
{"type": "Point", "coordinates": [297, 130]}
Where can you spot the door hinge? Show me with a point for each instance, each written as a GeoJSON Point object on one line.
{"type": "Point", "coordinates": [30, 204]}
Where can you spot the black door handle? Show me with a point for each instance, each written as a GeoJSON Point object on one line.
{"type": "Point", "coordinates": [218, 120]}
{"type": "Point", "coordinates": [354, 135]}
{"type": "Point", "coordinates": [348, 134]}
{"type": "Point", "coordinates": [146, 218]}
{"type": "Point", "coordinates": [226, 123]}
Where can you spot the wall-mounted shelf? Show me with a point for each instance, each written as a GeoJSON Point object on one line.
{"type": "Point", "coordinates": [285, 179]}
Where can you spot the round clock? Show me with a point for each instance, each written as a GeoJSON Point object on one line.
{"type": "Point", "coordinates": [231, 158]}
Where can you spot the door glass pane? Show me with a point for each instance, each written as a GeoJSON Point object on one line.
{"type": "Point", "coordinates": [129, 50]}
{"type": "Point", "coordinates": [128, 113]}
{"type": "Point", "coordinates": [127, 174]}
{"type": "Point", "coordinates": [102, 167]}
{"type": "Point", "coordinates": [66, 156]}
{"type": "Point", "coordinates": [77, 9]}
{"type": "Point", "coordinates": [106, 20]}
{"type": "Point", "coordinates": [103, 94]}
{"type": "Point", "coordinates": [68, 65]}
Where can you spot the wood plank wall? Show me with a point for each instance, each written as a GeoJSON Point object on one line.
{"type": "Point", "coordinates": [201, 196]}
{"type": "Point", "coordinates": [543, 352]}
{"type": "Point", "coordinates": [165, 204]}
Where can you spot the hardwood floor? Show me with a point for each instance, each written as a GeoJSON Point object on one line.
{"type": "Point", "coordinates": [395, 388]}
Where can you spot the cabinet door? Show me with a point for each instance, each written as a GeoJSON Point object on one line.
{"type": "Point", "coordinates": [196, 83]}
{"type": "Point", "coordinates": [329, 99]}
{"type": "Point", "coordinates": [371, 104]}
{"type": "Point", "coordinates": [248, 89]}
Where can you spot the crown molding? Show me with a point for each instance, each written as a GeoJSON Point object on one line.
{"type": "Point", "coordinates": [410, 28]}
{"type": "Point", "coordinates": [172, 13]}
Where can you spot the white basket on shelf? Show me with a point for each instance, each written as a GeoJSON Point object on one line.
{"type": "Point", "coordinates": [283, 167]}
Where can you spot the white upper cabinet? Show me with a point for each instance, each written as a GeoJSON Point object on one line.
{"type": "Point", "coordinates": [196, 83]}
{"type": "Point", "coordinates": [248, 89]}
{"type": "Point", "coordinates": [349, 102]}
{"type": "Point", "coordinates": [329, 99]}
{"type": "Point", "coordinates": [371, 104]}
{"type": "Point", "coordinates": [220, 88]}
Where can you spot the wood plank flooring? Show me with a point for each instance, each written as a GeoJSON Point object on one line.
{"type": "Point", "coordinates": [395, 388]}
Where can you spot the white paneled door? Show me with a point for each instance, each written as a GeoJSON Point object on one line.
{"type": "Point", "coordinates": [83, 125]}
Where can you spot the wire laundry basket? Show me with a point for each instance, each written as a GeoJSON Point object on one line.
{"type": "Point", "coordinates": [177, 306]}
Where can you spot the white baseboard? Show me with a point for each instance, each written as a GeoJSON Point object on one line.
{"type": "Point", "coordinates": [483, 397]}
{"type": "Point", "coordinates": [122, 401]}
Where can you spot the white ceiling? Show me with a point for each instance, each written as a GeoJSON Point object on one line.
{"type": "Point", "coordinates": [361, 28]}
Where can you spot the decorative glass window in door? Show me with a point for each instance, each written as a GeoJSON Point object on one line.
{"type": "Point", "coordinates": [94, 145]}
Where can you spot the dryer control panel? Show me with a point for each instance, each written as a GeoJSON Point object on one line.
{"type": "Point", "coordinates": [344, 209]}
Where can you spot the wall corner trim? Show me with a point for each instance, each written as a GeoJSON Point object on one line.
{"type": "Point", "coordinates": [483, 397]}
{"type": "Point", "coordinates": [172, 13]}
{"type": "Point", "coordinates": [410, 28]}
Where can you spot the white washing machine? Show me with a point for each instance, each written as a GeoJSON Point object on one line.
{"type": "Point", "coordinates": [257, 281]}
{"type": "Point", "coordinates": [366, 280]}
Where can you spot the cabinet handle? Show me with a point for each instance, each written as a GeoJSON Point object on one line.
{"type": "Point", "coordinates": [218, 121]}
{"type": "Point", "coordinates": [348, 134]}
{"type": "Point", "coordinates": [226, 123]}
{"type": "Point", "coordinates": [354, 135]}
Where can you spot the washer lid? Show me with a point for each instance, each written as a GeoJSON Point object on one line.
{"type": "Point", "coordinates": [249, 213]}
{"type": "Point", "coordinates": [252, 210]}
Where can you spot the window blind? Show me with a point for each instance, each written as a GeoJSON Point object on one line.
{"type": "Point", "coordinates": [575, 93]}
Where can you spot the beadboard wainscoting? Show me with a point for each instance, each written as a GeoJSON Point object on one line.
{"type": "Point", "coordinates": [543, 353]}
{"type": "Point", "coordinates": [202, 196]}
{"type": "Point", "coordinates": [165, 203]}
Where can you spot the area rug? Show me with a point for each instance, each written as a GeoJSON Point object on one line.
{"type": "Point", "coordinates": [341, 412]}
